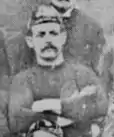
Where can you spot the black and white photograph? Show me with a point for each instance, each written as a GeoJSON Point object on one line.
{"type": "Point", "coordinates": [56, 68]}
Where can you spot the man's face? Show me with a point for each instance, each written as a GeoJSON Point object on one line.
{"type": "Point", "coordinates": [48, 40]}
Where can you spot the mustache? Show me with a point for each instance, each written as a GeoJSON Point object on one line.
{"type": "Point", "coordinates": [49, 46]}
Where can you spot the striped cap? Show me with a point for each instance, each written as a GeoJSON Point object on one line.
{"type": "Point", "coordinates": [44, 14]}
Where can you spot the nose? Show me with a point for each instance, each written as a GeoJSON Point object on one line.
{"type": "Point", "coordinates": [48, 43]}
{"type": "Point", "coordinates": [48, 39]}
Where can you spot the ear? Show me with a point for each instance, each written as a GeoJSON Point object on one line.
{"type": "Point", "coordinates": [29, 41]}
{"type": "Point", "coordinates": [63, 37]}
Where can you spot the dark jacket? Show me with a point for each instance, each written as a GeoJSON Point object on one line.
{"type": "Point", "coordinates": [37, 83]}
{"type": "Point", "coordinates": [83, 30]}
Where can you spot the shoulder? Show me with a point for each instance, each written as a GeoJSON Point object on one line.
{"type": "Point", "coordinates": [16, 51]}
{"type": "Point", "coordinates": [84, 74]}
{"type": "Point", "coordinates": [24, 78]}
{"type": "Point", "coordinates": [87, 19]}
{"type": "Point", "coordinates": [92, 29]}
{"type": "Point", "coordinates": [83, 18]}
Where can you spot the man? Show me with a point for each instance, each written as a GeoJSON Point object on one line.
{"type": "Point", "coordinates": [85, 35]}
{"type": "Point", "coordinates": [55, 75]}
{"type": "Point", "coordinates": [83, 32]}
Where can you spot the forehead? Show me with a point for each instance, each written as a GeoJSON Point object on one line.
{"type": "Point", "coordinates": [46, 27]}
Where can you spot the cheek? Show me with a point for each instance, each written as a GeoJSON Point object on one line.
{"type": "Point", "coordinates": [39, 43]}
{"type": "Point", "coordinates": [59, 41]}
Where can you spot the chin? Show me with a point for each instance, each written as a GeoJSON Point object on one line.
{"type": "Point", "coordinates": [51, 61]}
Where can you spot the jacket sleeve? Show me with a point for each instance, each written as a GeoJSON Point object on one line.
{"type": "Point", "coordinates": [19, 107]}
{"type": "Point", "coordinates": [91, 103]}
{"type": "Point", "coordinates": [85, 103]}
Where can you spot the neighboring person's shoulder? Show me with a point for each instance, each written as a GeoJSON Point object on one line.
{"type": "Point", "coordinates": [92, 29]}
{"type": "Point", "coordinates": [87, 19]}
{"type": "Point", "coordinates": [15, 45]}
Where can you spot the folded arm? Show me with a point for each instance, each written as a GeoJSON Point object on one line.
{"type": "Point", "coordinates": [85, 103]}
{"type": "Point", "coordinates": [20, 102]}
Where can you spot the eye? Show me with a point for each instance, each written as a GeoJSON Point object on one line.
{"type": "Point", "coordinates": [87, 47]}
{"type": "Point", "coordinates": [41, 34]}
{"type": "Point", "coordinates": [54, 33]}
